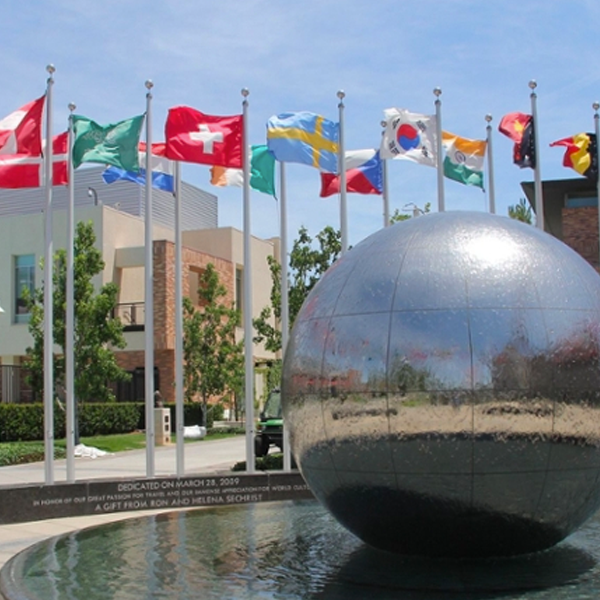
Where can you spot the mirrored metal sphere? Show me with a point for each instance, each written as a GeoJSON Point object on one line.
{"type": "Point", "coordinates": [442, 387]}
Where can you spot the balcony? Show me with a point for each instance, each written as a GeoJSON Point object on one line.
{"type": "Point", "coordinates": [132, 315]}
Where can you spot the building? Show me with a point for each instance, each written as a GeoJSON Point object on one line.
{"type": "Point", "coordinates": [571, 214]}
{"type": "Point", "coordinates": [117, 214]}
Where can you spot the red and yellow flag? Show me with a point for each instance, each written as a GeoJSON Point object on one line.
{"type": "Point", "coordinates": [519, 128]}
{"type": "Point", "coordinates": [581, 154]}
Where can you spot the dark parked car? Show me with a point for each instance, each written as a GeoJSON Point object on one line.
{"type": "Point", "coordinates": [270, 427]}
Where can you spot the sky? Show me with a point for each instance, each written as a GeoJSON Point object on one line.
{"type": "Point", "coordinates": [295, 56]}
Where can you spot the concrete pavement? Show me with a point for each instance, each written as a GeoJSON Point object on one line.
{"type": "Point", "coordinates": [200, 458]}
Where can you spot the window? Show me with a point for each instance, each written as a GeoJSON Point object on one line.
{"type": "Point", "coordinates": [580, 201]}
{"type": "Point", "coordinates": [195, 273]}
{"type": "Point", "coordinates": [239, 289]}
{"type": "Point", "coordinates": [24, 279]}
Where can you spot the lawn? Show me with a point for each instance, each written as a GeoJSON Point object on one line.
{"type": "Point", "coordinates": [135, 441]}
{"type": "Point", "coordinates": [15, 453]}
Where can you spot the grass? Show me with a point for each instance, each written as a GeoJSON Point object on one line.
{"type": "Point", "coordinates": [136, 441]}
{"type": "Point", "coordinates": [15, 453]}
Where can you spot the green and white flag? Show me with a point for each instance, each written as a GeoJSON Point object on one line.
{"type": "Point", "coordinates": [464, 159]}
{"type": "Point", "coordinates": [115, 144]}
{"type": "Point", "coordinates": [262, 172]}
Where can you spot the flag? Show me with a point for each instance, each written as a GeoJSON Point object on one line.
{"type": "Point", "coordinates": [60, 156]}
{"type": "Point", "coordinates": [22, 171]}
{"type": "Point", "coordinates": [115, 144]}
{"type": "Point", "coordinates": [21, 131]}
{"type": "Point", "coordinates": [519, 128]}
{"type": "Point", "coordinates": [192, 136]}
{"type": "Point", "coordinates": [162, 170]}
{"type": "Point", "coordinates": [410, 136]}
{"type": "Point", "coordinates": [464, 159]}
{"type": "Point", "coordinates": [306, 138]}
{"type": "Point", "coordinates": [224, 177]}
{"type": "Point", "coordinates": [364, 174]}
{"type": "Point", "coordinates": [262, 172]}
{"type": "Point", "coordinates": [581, 154]}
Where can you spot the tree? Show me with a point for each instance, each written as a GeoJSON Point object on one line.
{"type": "Point", "coordinates": [521, 212]}
{"type": "Point", "coordinates": [213, 361]}
{"type": "Point", "coordinates": [307, 265]}
{"type": "Point", "coordinates": [96, 333]}
{"type": "Point", "coordinates": [398, 216]}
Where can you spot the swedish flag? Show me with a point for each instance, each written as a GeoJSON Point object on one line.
{"type": "Point", "coordinates": [304, 137]}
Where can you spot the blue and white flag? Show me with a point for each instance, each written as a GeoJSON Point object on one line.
{"type": "Point", "coordinates": [409, 136]}
{"type": "Point", "coordinates": [306, 138]}
{"type": "Point", "coordinates": [162, 170]}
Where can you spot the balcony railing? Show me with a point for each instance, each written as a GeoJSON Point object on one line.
{"type": "Point", "coordinates": [132, 315]}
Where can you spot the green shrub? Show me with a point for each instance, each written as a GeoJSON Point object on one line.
{"type": "Point", "coordinates": [235, 430]}
{"type": "Point", "coordinates": [216, 412]}
{"type": "Point", "coordinates": [25, 422]}
{"type": "Point", "coordinates": [270, 462]}
{"type": "Point", "coordinates": [18, 454]}
{"type": "Point", "coordinates": [107, 418]}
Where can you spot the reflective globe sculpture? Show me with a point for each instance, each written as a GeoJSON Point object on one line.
{"type": "Point", "coordinates": [441, 387]}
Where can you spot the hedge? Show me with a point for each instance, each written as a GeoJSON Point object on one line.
{"type": "Point", "coordinates": [25, 422]}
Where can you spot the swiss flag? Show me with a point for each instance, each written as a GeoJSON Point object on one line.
{"type": "Point", "coordinates": [21, 131]}
{"type": "Point", "coordinates": [22, 171]}
{"type": "Point", "coordinates": [192, 136]}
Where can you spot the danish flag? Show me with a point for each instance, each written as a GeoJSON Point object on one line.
{"type": "Point", "coordinates": [21, 131]}
{"type": "Point", "coordinates": [22, 171]}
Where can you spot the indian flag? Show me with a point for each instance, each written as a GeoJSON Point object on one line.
{"type": "Point", "coordinates": [464, 159]}
{"type": "Point", "coordinates": [223, 176]}
{"type": "Point", "coordinates": [262, 172]}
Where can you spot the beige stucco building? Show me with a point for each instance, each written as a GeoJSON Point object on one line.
{"type": "Point", "coordinates": [120, 232]}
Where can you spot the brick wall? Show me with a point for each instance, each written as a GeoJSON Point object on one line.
{"type": "Point", "coordinates": [164, 308]}
{"type": "Point", "coordinates": [164, 286]}
{"type": "Point", "coordinates": [580, 231]}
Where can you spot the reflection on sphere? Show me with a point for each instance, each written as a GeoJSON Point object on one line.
{"type": "Point", "coordinates": [441, 387]}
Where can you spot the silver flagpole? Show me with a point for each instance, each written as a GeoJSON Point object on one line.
{"type": "Point", "coordinates": [491, 187]}
{"type": "Point", "coordinates": [285, 309]}
{"type": "Point", "coordinates": [596, 106]}
{"type": "Point", "coordinates": [149, 291]}
{"type": "Point", "coordinates": [386, 196]}
{"type": "Point", "coordinates": [342, 170]}
{"type": "Point", "coordinates": [248, 346]}
{"type": "Point", "coordinates": [539, 196]}
{"type": "Point", "coordinates": [70, 317]}
{"type": "Point", "coordinates": [440, 163]}
{"type": "Point", "coordinates": [179, 417]}
{"type": "Point", "coordinates": [48, 293]}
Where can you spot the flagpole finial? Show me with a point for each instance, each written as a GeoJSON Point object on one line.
{"type": "Point", "coordinates": [148, 83]}
{"type": "Point", "coordinates": [72, 106]}
{"type": "Point", "coordinates": [383, 123]}
{"type": "Point", "coordinates": [488, 118]}
{"type": "Point", "coordinates": [596, 105]}
{"type": "Point", "coordinates": [245, 92]}
{"type": "Point", "coordinates": [341, 94]}
{"type": "Point", "coordinates": [437, 92]}
{"type": "Point", "coordinates": [533, 84]}
{"type": "Point", "coordinates": [50, 68]}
